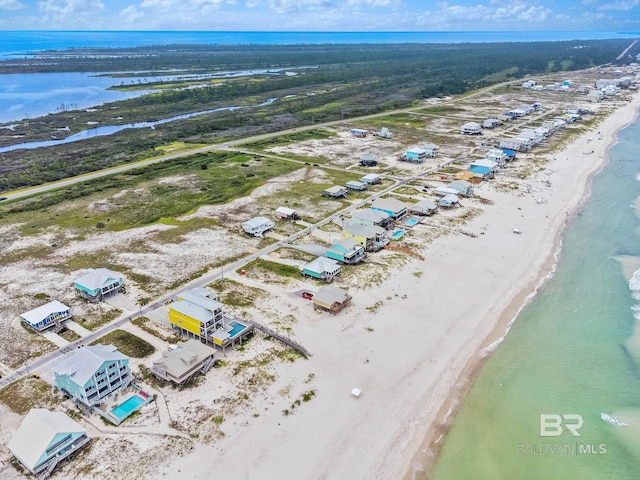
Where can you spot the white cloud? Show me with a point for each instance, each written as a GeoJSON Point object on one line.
{"type": "Point", "coordinates": [131, 14]}
{"type": "Point", "coordinates": [65, 8]}
{"type": "Point", "coordinates": [182, 5]}
{"type": "Point", "coordinates": [11, 5]}
{"type": "Point", "coordinates": [621, 6]}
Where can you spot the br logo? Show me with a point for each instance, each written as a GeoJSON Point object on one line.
{"type": "Point", "coordinates": [552, 425]}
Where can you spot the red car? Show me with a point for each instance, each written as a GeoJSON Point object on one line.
{"type": "Point", "coordinates": [307, 295]}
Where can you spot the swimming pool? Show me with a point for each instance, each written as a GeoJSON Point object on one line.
{"type": "Point", "coordinates": [397, 235]}
{"type": "Point", "coordinates": [237, 328]}
{"type": "Point", "coordinates": [411, 222]}
{"type": "Point", "coordinates": [127, 407]}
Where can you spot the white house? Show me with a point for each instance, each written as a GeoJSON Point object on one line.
{"type": "Point", "coordinates": [471, 128]}
{"type": "Point", "coordinates": [371, 179]}
{"type": "Point", "coordinates": [45, 316]}
{"type": "Point", "coordinates": [449, 201]}
{"type": "Point", "coordinates": [257, 226]}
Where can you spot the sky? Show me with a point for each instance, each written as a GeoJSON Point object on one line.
{"type": "Point", "coordinates": [321, 15]}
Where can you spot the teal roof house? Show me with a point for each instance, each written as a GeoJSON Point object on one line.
{"type": "Point", "coordinates": [347, 251]}
{"type": "Point", "coordinates": [395, 208]}
{"type": "Point", "coordinates": [46, 438]}
{"type": "Point", "coordinates": [98, 283]}
{"type": "Point", "coordinates": [322, 268]}
{"type": "Point", "coordinates": [92, 373]}
{"type": "Point", "coordinates": [49, 315]}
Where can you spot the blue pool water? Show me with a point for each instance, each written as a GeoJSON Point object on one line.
{"type": "Point", "coordinates": [128, 407]}
{"type": "Point", "coordinates": [397, 235]}
{"type": "Point", "coordinates": [237, 328]}
{"type": "Point", "coordinates": [411, 222]}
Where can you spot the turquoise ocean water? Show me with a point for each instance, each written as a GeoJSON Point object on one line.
{"type": "Point", "coordinates": [575, 350]}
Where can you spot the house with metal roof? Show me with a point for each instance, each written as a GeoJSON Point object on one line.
{"type": "Point", "coordinates": [424, 207]}
{"type": "Point", "coordinates": [394, 207]}
{"type": "Point", "coordinates": [258, 226]}
{"type": "Point", "coordinates": [368, 160]}
{"type": "Point", "coordinates": [368, 216]}
{"type": "Point", "coordinates": [286, 213]}
{"type": "Point", "coordinates": [371, 179]}
{"type": "Point", "coordinates": [45, 316]}
{"type": "Point", "coordinates": [431, 149]}
{"type": "Point", "coordinates": [183, 361]}
{"type": "Point", "coordinates": [336, 191]}
{"type": "Point", "coordinates": [471, 128]}
{"type": "Point", "coordinates": [322, 268]}
{"type": "Point", "coordinates": [371, 237]}
{"type": "Point", "coordinates": [449, 201]}
{"type": "Point", "coordinates": [356, 185]}
{"type": "Point", "coordinates": [464, 188]}
{"type": "Point", "coordinates": [44, 439]}
{"type": "Point", "coordinates": [98, 283]}
{"type": "Point", "coordinates": [444, 191]}
{"type": "Point", "coordinates": [92, 373]}
{"type": "Point", "coordinates": [484, 167]}
{"type": "Point", "coordinates": [497, 155]}
{"type": "Point", "coordinates": [414, 155]}
{"type": "Point", "coordinates": [331, 299]}
{"type": "Point", "coordinates": [347, 251]}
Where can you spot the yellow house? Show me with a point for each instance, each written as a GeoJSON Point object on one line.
{"type": "Point", "coordinates": [195, 314]}
{"type": "Point", "coordinates": [371, 237]}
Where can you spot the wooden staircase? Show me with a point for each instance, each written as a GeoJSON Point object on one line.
{"type": "Point", "coordinates": [286, 340]}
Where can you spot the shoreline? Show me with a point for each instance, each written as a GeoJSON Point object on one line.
{"type": "Point", "coordinates": [427, 453]}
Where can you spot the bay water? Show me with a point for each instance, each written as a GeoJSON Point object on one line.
{"type": "Point", "coordinates": [573, 355]}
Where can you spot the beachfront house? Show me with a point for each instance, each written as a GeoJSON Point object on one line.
{"type": "Point", "coordinates": [98, 283]}
{"type": "Point", "coordinates": [384, 133]}
{"type": "Point", "coordinates": [347, 251]}
{"type": "Point", "coordinates": [183, 361]}
{"type": "Point", "coordinates": [258, 226]}
{"type": "Point", "coordinates": [369, 216]}
{"type": "Point", "coordinates": [92, 373]}
{"type": "Point", "coordinates": [491, 123]}
{"type": "Point", "coordinates": [497, 155]}
{"type": "Point", "coordinates": [368, 160]}
{"type": "Point", "coordinates": [424, 208]}
{"type": "Point", "coordinates": [371, 179]}
{"type": "Point", "coordinates": [49, 315]}
{"type": "Point", "coordinates": [392, 206]}
{"type": "Point", "coordinates": [44, 439]}
{"type": "Point", "coordinates": [449, 201]}
{"type": "Point", "coordinates": [198, 316]}
{"type": "Point", "coordinates": [464, 188]}
{"type": "Point", "coordinates": [337, 191]}
{"type": "Point", "coordinates": [371, 237]}
{"type": "Point", "coordinates": [444, 191]}
{"type": "Point", "coordinates": [331, 299]}
{"type": "Point", "coordinates": [514, 144]}
{"type": "Point", "coordinates": [356, 185]}
{"type": "Point", "coordinates": [286, 213]}
{"type": "Point", "coordinates": [322, 268]}
{"type": "Point", "coordinates": [471, 128]}
{"type": "Point", "coordinates": [484, 167]}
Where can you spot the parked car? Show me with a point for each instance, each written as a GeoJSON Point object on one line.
{"type": "Point", "coordinates": [307, 295]}
{"type": "Point", "coordinates": [3, 198]}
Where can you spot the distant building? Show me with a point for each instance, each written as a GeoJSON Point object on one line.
{"type": "Point", "coordinates": [358, 132]}
{"type": "Point", "coordinates": [463, 187]}
{"type": "Point", "coordinates": [471, 128]}
{"type": "Point", "coordinates": [449, 201]}
{"type": "Point", "coordinates": [384, 133]}
{"type": "Point", "coordinates": [336, 191]}
{"type": "Point", "coordinates": [286, 213]}
{"type": "Point", "coordinates": [371, 237]}
{"type": "Point", "coordinates": [415, 155]}
{"type": "Point", "coordinates": [258, 226]}
{"type": "Point", "coordinates": [46, 316]}
{"type": "Point", "coordinates": [424, 207]}
{"type": "Point", "coordinates": [355, 185]}
{"type": "Point", "coordinates": [369, 216]}
{"type": "Point", "coordinates": [368, 160]}
{"type": "Point", "coordinates": [98, 283]}
{"type": "Point", "coordinates": [44, 439]}
{"type": "Point", "coordinates": [431, 150]}
{"type": "Point", "coordinates": [371, 179]}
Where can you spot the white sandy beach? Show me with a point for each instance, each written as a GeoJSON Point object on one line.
{"type": "Point", "coordinates": [414, 354]}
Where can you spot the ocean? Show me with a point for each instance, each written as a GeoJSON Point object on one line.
{"type": "Point", "coordinates": [560, 397]}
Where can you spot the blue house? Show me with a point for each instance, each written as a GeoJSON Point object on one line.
{"type": "Point", "coordinates": [347, 251]}
{"type": "Point", "coordinates": [92, 373]}
{"type": "Point", "coordinates": [46, 438]}
{"type": "Point", "coordinates": [395, 208]}
{"type": "Point", "coordinates": [98, 283]}
{"type": "Point", "coordinates": [46, 316]}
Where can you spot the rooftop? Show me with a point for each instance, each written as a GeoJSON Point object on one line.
{"type": "Point", "coordinates": [84, 363]}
